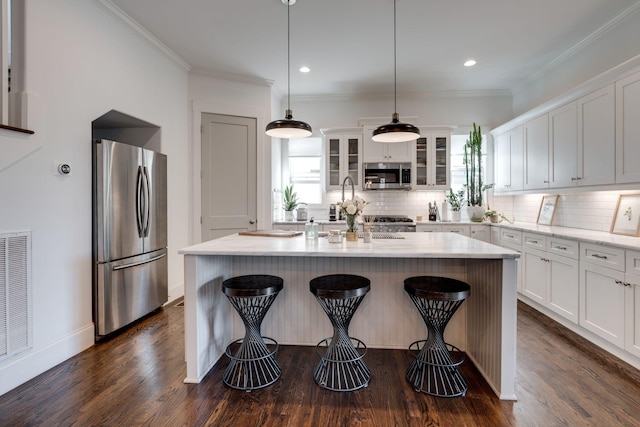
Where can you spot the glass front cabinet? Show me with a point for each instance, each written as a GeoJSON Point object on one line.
{"type": "Point", "coordinates": [432, 166]}
{"type": "Point", "coordinates": [343, 157]}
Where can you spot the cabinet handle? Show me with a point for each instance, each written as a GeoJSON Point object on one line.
{"type": "Point", "coordinates": [599, 256]}
{"type": "Point", "coordinates": [619, 282]}
{"type": "Point", "coordinates": [545, 182]}
{"type": "Point", "coordinates": [573, 178]}
{"type": "Point", "coordinates": [560, 248]}
{"type": "Point", "coordinates": [535, 242]}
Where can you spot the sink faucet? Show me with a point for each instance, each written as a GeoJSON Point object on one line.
{"type": "Point", "coordinates": [353, 188]}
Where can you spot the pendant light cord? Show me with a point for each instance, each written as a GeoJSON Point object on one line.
{"type": "Point", "coordinates": [395, 71]}
{"type": "Point", "coordinates": [289, 56]}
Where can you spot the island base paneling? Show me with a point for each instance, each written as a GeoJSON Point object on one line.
{"type": "Point", "coordinates": [484, 327]}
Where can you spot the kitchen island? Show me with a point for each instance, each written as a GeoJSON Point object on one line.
{"type": "Point", "coordinates": [484, 327]}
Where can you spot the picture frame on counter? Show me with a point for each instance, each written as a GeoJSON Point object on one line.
{"type": "Point", "coordinates": [547, 210]}
{"type": "Point", "coordinates": [626, 219]}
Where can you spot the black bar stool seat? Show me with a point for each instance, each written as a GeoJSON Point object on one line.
{"type": "Point", "coordinates": [253, 364]}
{"type": "Point", "coordinates": [435, 368]}
{"type": "Point", "coordinates": [341, 366]}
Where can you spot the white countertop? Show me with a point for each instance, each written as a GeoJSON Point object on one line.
{"type": "Point", "coordinates": [414, 245]}
{"type": "Point", "coordinates": [587, 236]}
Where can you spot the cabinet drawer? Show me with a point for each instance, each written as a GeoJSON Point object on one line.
{"type": "Point", "coordinates": [633, 262]}
{"type": "Point", "coordinates": [563, 247]}
{"type": "Point", "coordinates": [604, 256]}
{"type": "Point", "coordinates": [460, 229]}
{"type": "Point", "coordinates": [428, 228]}
{"type": "Point", "coordinates": [511, 236]}
{"type": "Point", "coordinates": [536, 241]}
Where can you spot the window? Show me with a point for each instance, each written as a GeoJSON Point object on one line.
{"type": "Point", "coordinates": [304, 171]}
{"type": "Point", "coordinates": [458, 170]}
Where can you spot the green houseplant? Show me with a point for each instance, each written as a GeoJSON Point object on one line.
{"type": "Point", "coordinates": [289, 202]}
{"type": "Point", "coordinates": [456, 200]}
{"type": "Point", "coordinates": [473, 173]}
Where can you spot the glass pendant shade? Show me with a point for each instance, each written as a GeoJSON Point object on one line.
{"type": "Point", "coordinates": [396, 131]}
{"type": "Point", "coordinates": [288, 128]}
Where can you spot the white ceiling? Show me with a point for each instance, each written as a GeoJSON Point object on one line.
{"type": "Point", "coordinates": [348, 44]}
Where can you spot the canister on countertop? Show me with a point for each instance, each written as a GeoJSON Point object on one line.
{"type": "Point", "coordinates": [311, 230]}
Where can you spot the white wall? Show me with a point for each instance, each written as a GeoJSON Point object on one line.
{"type": "Point", "coordinates": [81, 62]}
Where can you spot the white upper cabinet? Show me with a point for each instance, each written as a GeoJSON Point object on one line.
{"type": "Point", "coordinates": [536, 153]}
{"type": "Point", "coordinates": [563, 146]}
{"type": "Point", "coordinates": [383, 151]}
{"type": "Point", "coordinates": [343, 157]}
{"type": "Point", "coordinates": [508, 161]}
{"type": "Point", "coordinates": [628, 129]}
{"type": "Point", "coordinates": [596, 137]}
{"type": "Point", "coordinates": [432, 165]}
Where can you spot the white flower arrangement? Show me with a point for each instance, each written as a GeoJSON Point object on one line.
{"type": "Point", "coordinates": [352, 208]}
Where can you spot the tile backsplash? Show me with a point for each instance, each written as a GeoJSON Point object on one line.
{"type": "Point", "coordinates": [591, 210]}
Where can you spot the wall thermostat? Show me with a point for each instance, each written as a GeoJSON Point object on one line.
{"type": "Point", "coordinates": [64, 169]}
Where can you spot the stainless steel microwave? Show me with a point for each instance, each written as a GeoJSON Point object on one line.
{"type": "Point", "coordinates": [386, 176]}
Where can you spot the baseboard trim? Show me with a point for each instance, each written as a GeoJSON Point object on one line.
{"type": "Point", "coordinates": [30, 364]}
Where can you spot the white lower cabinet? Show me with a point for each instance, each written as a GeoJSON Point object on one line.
{"type": "Point", "coordinates": [535, 275]}
{"type": "Point", "coordinates": [481, 232]}
{"type": "Point", "coordinates": [602, 302]}
{"type": "Point", "coordinates": [632, 314]}
{"type": "Point", "coordinates": [460, 229]}
{"type": "Point", "coordinates": [564, 284]}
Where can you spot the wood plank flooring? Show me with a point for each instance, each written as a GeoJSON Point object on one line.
{"type": "Point", "coordinates": [136, 378]}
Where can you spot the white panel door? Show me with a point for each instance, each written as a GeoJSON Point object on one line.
{"type": "Point", "coordinates": [535, 276]}
{"type": "Point", "coordinates": [229, 182]}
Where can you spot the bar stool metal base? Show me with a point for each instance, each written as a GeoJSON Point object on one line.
{"type": "Point", "coordinates": [435, 368]}
{"type": "Point", "coordinates": [341, 366]}
{"type": "Point", "coordinates": [252, 359]}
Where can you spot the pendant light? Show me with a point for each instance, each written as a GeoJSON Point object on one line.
{"type": "Point", "coordinates": [287, 127]}
{"type": "Point", "coordinates": [395, 131]}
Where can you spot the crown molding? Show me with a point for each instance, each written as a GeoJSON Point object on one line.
{"type": "Point", "coordinates": [207, 72]}
{"type": "Point", "coordinates": [120, 14]}
{"type": "Point", "coordinates": [583, 44]}
{"type": "Point", "coordinates": [411, 95]}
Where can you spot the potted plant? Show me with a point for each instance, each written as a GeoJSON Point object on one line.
{"type": "Point", "coordinates": [496, 217]}
{"type": "Point", "coordinates": [289, 202]}
{"type": "Point", "coordinates": [473, 173]}
{"type": "Point", "coordinates": [456, 200]}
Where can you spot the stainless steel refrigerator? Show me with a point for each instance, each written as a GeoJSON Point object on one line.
{"type": "Point", "coordinates": [129, 234]}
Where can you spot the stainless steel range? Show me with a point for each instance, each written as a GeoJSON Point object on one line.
{"type": "Point", "coordinates": [393, 224]}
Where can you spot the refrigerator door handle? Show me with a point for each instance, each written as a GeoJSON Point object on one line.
{"type": "Point", "coordinates": [139, 201]}
{"type": "Point", "coordinates": [122, 267]}
{"type": "Point", "coordinates": [147, 199]}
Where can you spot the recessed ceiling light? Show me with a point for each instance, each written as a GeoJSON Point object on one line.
{"type": "Point", "coordinates": [305, 69]}
{"type": "Point", "coordinates": [470, 63]}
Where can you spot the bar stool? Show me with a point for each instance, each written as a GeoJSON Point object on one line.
{"type": "Point", "coordinates": [341, 367]}
{"type": "Point", "coordinates": [435, 368]}
{"type": "Point", "coordinates": [253, 365]}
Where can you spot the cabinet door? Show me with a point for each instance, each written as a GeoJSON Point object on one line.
{"type": "Point", "coordinates": [597, 137]}
{"type": "Point", "coordinates": [385, 152]}
{"type": "Point", "coordinates": [602, 304]}
{"type": "Point", "coordinates": [563, 146]}
{"type": "Point", "coordinates": [428, 228]}
{"type": "Point", "coordinates": [351, 162]}
{"type": "Point", "coordinates": [398, 151]}
{"type": "Point", "coordinates": [439, 161]}
{"type": "Point", "coordinates": [334, 156]}
{"type": "Point", "coordinates": [460, 229]}
{"type": "Point", "coordinates": [421, 179]}
{"type": "Point", "coordinates": [535, 276]}
{"type": "Point", "coordinates": [628, 129]}
{"type": "Point", "coordinates": [632, 314]}
{"type": "Point", "coordinates": [564, 283]}
{"type": "Point", "coordinates": [502, 160]}
{"type": "Point", "coordinates": [481, 232]}
{"type": "Point", "coordinates": [536, 153]}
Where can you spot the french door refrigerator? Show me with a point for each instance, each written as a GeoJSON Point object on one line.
{"type": "Point", "coordinates": [129, 234]}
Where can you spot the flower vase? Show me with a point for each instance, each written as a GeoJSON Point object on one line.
{"type": "Point", "coordinates": [455, 216]}
{"type": "Point", "coordinates": [475, 213]}
{"type": "Point", "coordinates": [352, 228]}
{"type": "Point", "coordinates": [288, 215]}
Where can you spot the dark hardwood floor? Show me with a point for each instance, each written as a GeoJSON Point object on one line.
{"type": "Point", "coordinates": [136, 378]}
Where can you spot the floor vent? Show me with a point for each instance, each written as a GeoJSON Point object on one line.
{"type": "Point", "coordinates": [15, 293]}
